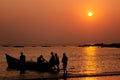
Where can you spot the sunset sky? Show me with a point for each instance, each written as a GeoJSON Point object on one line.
{"type": "Point", "coordinates": [59, 21]}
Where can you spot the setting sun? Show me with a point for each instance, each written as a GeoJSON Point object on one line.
{"type": "Point", "coordinates": [90, 13]}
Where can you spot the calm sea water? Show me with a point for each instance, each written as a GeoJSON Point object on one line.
{"type": "Point", "coordinates": [82, 60]}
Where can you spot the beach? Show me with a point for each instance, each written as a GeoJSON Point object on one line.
{"type": "Point", "coordinates": [84, 63]}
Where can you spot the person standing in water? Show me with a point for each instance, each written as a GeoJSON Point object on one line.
{"type": "Point", "coordinates": [52, 61]}
{"type": "Point", "coordinates": [64, 61]}
{"type": "Point", "coordinates": [22, 63]}
{"type": "Point", "coordinates": [57, 62]}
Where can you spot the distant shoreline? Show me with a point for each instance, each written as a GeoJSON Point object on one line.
{"type": "Point", "coordinates": [112, 45]}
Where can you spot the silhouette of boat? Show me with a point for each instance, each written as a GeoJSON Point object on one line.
{"type": "Point", "coordinates": [14, 64]}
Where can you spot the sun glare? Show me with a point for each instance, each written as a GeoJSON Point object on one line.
{"type": "Point", "coordinates": [90, 13]}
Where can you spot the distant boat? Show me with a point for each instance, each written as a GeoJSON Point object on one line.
{"type": "Point", "coordinates": [14, 63]}
{"type": "Point", "coordinates": [45, 46]}
{"type": "Point", "coordinates": [18, 46]}
{"type": "Point", "coordinates": [5, 46]}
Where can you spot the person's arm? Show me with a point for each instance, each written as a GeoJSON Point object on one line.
{"type": "Point", "coordinates": [45, 60]}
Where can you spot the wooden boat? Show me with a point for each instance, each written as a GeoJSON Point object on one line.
{"type": "Point", "coordinates": [14, 63]}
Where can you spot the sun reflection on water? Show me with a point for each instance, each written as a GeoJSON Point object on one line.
{"type": "Point", "coordinates": [86, 78]}
{"type": "Point", "coordinates": [90, 60]}
{"type": "Point", "coordinates": [90, 78]}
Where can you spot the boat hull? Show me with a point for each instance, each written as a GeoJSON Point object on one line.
{"type": "Point", "coordinates": [14, 63]}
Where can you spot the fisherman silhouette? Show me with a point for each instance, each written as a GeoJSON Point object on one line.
{"type": "Point", "coordinates": [42, 63]}
{"type": "Point", "coordinates": [52, 61]}
{"type": "Point", "coordinates": [40, 60]}
{"type": "Point", "coordinates": [22, 63]}
{"type": "Point", "coordinates": [64, 61]}
{"type": "Point", "coordinates": [57, 62]}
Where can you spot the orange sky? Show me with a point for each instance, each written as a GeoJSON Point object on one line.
{"type": "Point", "coordinates": [59, 21]}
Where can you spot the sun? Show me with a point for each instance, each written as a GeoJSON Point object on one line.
{"type": "Point", "coordinates": [90, 13]}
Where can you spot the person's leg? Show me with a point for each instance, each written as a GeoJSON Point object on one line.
{"type": "Point", "coordinates": [64, 67]}
{"type": "Point", "coordinates": [57, 67]}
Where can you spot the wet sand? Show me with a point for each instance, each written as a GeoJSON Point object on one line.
{"type": "Point", "coordinates": [77, 78]}
{"type": "Point", "coordinates": [97, 78]}
{"type": "Point", "coordinates": [62, 76]}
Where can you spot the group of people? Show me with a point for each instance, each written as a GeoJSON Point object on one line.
{"type": "Point", "coordinates": [53, 61]}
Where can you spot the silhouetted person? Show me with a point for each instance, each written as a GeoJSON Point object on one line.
{"type": "Point", "coordinates": [41, 60]}
{"type": "Point", "coordinates": [22, 63]}
{"type": "Point", "coordinates": [42, 63]}
{"type": "Point", "coordinates": [52, 60]}
{"type": "Point", "coordinates": [57, 62]}
{"type": "Point", "coordinates": [64, 61]}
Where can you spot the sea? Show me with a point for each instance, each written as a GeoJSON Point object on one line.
{"type": "Point", "coordinates": [83, 62]}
